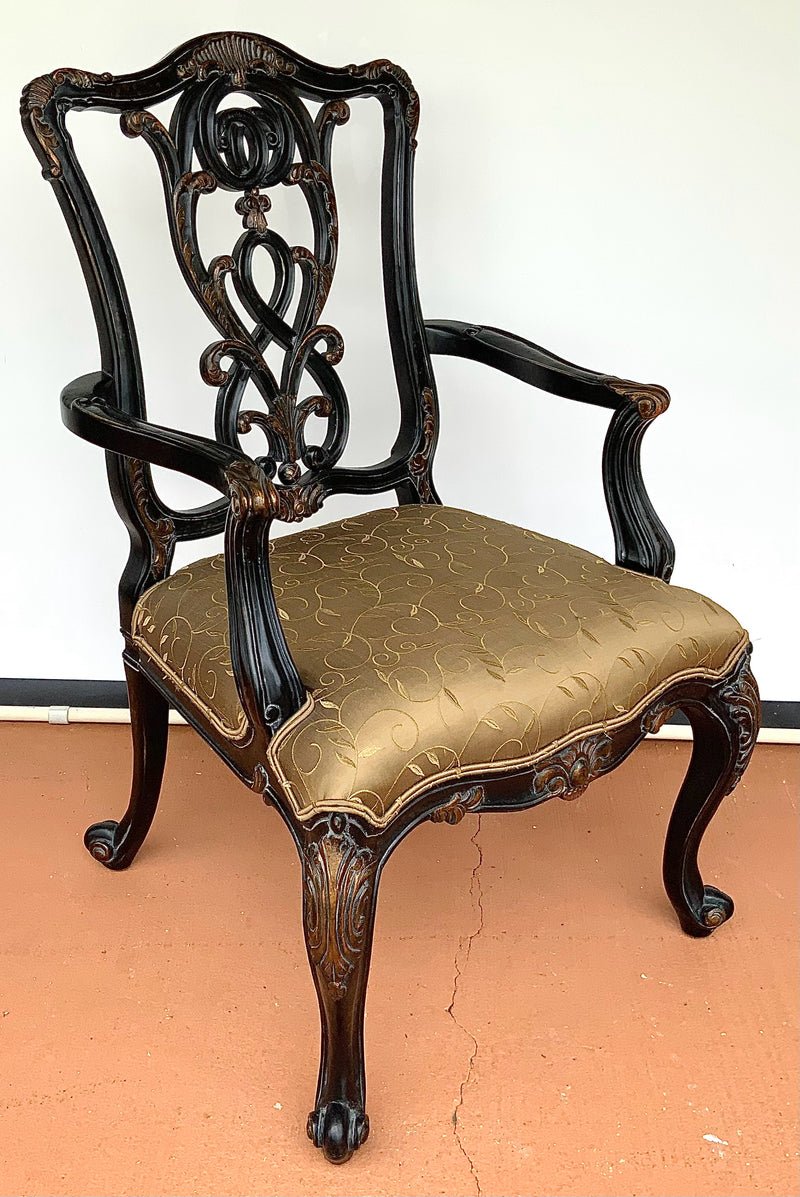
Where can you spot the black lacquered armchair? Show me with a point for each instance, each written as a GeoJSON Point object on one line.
{"type": "Point", "coordinates": [415, 662]}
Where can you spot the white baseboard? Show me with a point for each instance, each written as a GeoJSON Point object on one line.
{"type": "Point", "coordinates": [64, 715]}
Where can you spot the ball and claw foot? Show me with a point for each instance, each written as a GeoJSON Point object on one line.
{"type": "Point", "coordinates": [339, 1129]}
{"type": "Point", "coordinates": [715, 909]}
{"type": "Point", "coordinates": [103, 844]}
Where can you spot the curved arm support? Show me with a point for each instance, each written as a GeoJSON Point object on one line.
{"type": "Point", "coordinates": [269, 685]}
{"type": "Point", "coordinates": [641, 541]}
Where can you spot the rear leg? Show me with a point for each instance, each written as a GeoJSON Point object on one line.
{"type": "Point", "coordinates": [115, 844]}
{"type": "Point", "coordinates": [724, 726]}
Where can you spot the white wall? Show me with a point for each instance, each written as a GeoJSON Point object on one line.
{"type": "Point", "coordinates": [617, 181]}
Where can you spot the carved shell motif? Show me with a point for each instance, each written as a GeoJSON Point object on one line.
{"type": "Point", "coordinates": [234, 54]}
{"type": "Point", "coordinates": [567, 774]}
{"type": "Point", "coordinates": [338, 885]}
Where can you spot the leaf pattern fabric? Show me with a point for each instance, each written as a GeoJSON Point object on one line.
{"type": "Point", "coordinates": [435, 643]}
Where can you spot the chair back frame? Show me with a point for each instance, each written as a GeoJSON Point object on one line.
{"type": "Point", "coordinates": [271, 137]}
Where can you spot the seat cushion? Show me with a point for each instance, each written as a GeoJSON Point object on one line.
{"type": "Point", "coordinates": [435, 643]}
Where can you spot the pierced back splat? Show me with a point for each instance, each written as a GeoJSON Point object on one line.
{"type": "Point", "coordinates": [241, 124]}
{"type": "Point", "coordinates": [247, 149]}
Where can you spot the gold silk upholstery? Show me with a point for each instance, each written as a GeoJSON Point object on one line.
{"type": "Point", "coordinates": [435, 643]}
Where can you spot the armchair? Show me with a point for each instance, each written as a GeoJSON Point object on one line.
{"type": "Point", "coordinates": [417, 662]}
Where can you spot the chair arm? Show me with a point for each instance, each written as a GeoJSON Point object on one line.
{"type": "Point", "coordinates": [88, 409]}
{"type": "Point", "coordinates": [266, 677]}
{"type": "Point", "coordinates": [514, 355]}
{"type": "Point", "coordinates": [641, 542]}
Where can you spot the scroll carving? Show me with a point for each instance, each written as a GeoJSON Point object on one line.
{"type": "Point", "coordinates": [244, 121]}
{"type": "Point", "coordinates": [246, 149]}
{"type": "Point", "coordinates": [650, 400]}
{"type": "Point", "coordinates": [314, 177]}
{"type": "Point", "coordinates": [461, 804]}
{"type": "Point", "coordinates": [246, 488]}
{"type": "Point", "coordinates": [382, 66]}
{"type": "Point", "coordinates": [160, 529]}
{"type": "Point", "coordinates": [654, 719]}
{"type": "Point", "coordinates": [335, 112]}
{"type": "Point", "coordinates": [38, 94]}
{"type": "Point", "coordinates": [742, 700]}
{"type": "Point", "coordinates": [419, 465]}
{"type": "Point", "coordinates": [250, 492]}
{"type": "Point", "coordinates": [294, 503]}
{"type": "Point", "coordinates": [565, 775]}
{"type": "Point", "coordinates": [568, 773]}
{"type": "Point", "coordinates": [338, 893]}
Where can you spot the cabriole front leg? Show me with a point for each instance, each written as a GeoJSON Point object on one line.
{"type": "Point", "coordinates": [724, 727]}
{"type": "Point", "coordinates": [340, 878]}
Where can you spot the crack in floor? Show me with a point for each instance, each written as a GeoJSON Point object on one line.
{"type": "Point", "coordinates": [459, 964]}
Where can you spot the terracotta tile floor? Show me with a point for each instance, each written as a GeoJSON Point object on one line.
{"type": "Point", "coordinates": [537, 1023]}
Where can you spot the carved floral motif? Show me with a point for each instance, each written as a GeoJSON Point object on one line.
{"type": "Point", "coordinates": [286, 420]}
{"type": "Point", "coordinates": [253, 208]}
{"type": "Point", "coordinates": [312, 177]}
{"type": "Point", "coordinates": [294, 503]}
{"type": "Point", "coordinates": [654, 719]}
{"type": "Point", "coordinates": [741, 697]}
{"type": "Point", "coordinates": [460, 804]}
{"type": "Point", "coordinates": [321, 273]}
{"type": "Point", "coordinates": [160, 529]}
{"type": "Point", "coordinates": [246, 488]}
{"type": "Point", "coordinates": [420, 464]}
{"type": "Point", "coordinates": [251, 492]}
{"type": "Point", "coordinates": [338, 888]}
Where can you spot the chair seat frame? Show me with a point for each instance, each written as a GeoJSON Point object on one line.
{"type": "Point", "coordinates": [342, 854]}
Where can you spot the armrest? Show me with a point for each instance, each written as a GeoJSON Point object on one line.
{"type": "Point", "coordinates": [641, 542]}
{"type": "Point", "coordinates": [514, 355]}
{"type": "Point", "coordinates": [88, 409]}
{"type": "Point", "coordinates": [266, 677]}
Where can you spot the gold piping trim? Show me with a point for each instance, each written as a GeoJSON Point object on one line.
{"type": "Point", "coordinates": [517, 765]}
{"type": "Point", "coordinates": [235, 733]}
